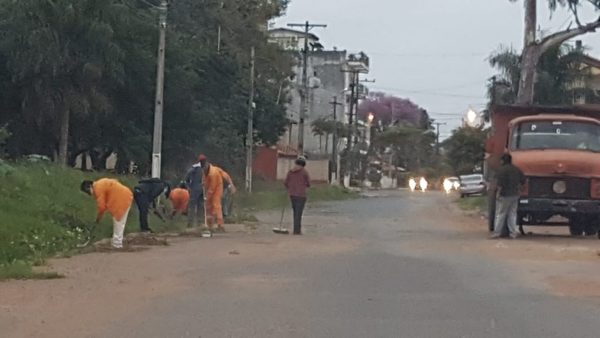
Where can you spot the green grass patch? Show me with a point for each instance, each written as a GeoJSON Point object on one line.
{"type": "Point", "coordinates": [272, 195]}
{"type": "Point", "coordinates": [23, 270]}
{"type": "Point", "coordinates": [41, 208]}
{"type": "Point", "coordinates": [476, 203]}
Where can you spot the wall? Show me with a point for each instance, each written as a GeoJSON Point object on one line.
{"type": "Point", "coordinates": [265, 164]}
{"type": "Point", "coordinates": [317, 169]}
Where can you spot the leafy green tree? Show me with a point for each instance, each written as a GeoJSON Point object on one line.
{"type": "Point", "coordinates": [465, 149]}
{"type": "Point", "coordinates": [557, 70]}
{"type": "Point", "coordinates": [59, 53]}
{"type": "Point", "coordinates": [535, 47]}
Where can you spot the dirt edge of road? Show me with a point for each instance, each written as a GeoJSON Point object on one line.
{"type": "Point", "coordinates": [563, 265]}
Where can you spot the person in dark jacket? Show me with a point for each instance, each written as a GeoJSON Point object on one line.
{"type": "Point", "coordinates": [193, 179]}
{"type": "Point", "coordinates": [509, 180]}
{"type": "Point", "coordinates": [145, 194]}
{"type": "Point", "coordinates": [296, 183]}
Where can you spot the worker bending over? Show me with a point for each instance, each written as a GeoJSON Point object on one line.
{"type": "Point", "coordinates": [180, 198]}
{"type": "Point", "coordinates": [115, 198]}
{"type": "Point", "coordinates": [146, 194]}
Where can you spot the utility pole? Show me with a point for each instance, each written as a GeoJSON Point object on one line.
{"type": "Point", "coordinates": [304, 92]}
{"type": "Point", "coordinates": [437, 137]}
{"type": "Point", "coordinates": [160, 84]}
{"type": "Point", "coordinates": [250, 134]}
{"type": "Point", "coordinates": [334, 151]}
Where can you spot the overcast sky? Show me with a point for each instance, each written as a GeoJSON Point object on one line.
{"type": "Point", "coordinates": [431, 51]}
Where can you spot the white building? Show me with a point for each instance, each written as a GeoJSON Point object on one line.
{"type": "Point", "coordinates": [328, 78]}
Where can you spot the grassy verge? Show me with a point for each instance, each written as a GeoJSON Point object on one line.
{"type": "Point", "coordinates": [273, 195]}
{"type": "Point", "coordinates": [23, 270]}
{"type": "Point", "coordinates": [41, 207]}
{"type": "Point", "coordinates": [476, 203]}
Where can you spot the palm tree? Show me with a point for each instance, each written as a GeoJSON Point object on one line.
{"type": "Point", "coordinates": [557, 70]}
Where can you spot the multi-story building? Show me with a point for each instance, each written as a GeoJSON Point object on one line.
{"type": "Point", "coordinates": [329, 77]}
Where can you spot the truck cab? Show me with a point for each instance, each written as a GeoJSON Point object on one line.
{"type": "Point", "coordinates": [558, 150]}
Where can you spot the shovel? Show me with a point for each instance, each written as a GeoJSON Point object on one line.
{"type": "Point", "coordinates": [281, 230]}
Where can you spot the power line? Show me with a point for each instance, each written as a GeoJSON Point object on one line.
{"type": "Point", "coordinates": [431, 55]}
{"type": "Point", "coordinates": [431, 93]}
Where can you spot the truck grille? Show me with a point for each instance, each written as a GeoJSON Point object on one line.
{"type": "Point", "coordinates": [576, 187]}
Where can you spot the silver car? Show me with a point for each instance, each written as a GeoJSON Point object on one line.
{"type": "Point", "coordinates": [472, 185]}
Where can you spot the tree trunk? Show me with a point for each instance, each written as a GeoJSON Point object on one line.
{"type": "Point", "coordinates": [63, 138]}
{"type": "Point", "coordinates": [530, 56]}
{"type": "Point", "coordinates": [529, 64]}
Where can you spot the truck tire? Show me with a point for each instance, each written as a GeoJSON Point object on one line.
{"type": "Point", "coordinates": [576, 228]}
{"type": "Point", "coordinates": [491, 210]}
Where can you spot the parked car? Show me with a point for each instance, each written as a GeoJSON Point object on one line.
{"type": "Point", "coordinates": [472, 185]}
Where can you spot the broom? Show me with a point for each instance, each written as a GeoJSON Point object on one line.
{"type": "Point", "coordinates": [207, 233]}
{"type": "Point", "coordinates": [281, 230]}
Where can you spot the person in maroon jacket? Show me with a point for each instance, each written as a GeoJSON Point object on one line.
{"type": "Point", "coordinates": [296, 183]}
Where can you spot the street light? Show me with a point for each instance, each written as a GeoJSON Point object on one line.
{"type": "Point", "coordinates": [370, 118]}
{"type": "Point", "coordinates": [472, 118]}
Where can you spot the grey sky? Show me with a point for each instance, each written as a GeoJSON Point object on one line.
{"type": "Point", "coordinates": [430, 51]}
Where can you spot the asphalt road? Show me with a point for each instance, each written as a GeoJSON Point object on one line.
{"type": "Point", "coordinates": [375, 285]}
{"type": "Point", "coordinates": [385, 266]}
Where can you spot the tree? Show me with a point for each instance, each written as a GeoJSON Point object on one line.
{"type": "Point", "coordinates": [534, 48]}
{"type": "Point", "coordinates": [557, 69]}
{"type": "Point", "coordinates": [390, 109]}
{"type": "Point", "coordinates": [60, 52]}
{"type": "Point", "coordinates": [465, 149]}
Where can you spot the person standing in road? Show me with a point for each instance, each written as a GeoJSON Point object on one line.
{"type": "Point", "coordinates": [213, 186]}
{"type": "Point", "coordinates": [146, 193]}
{"type": "Point", "coordinates": [114, 197]}
{"type": "Point", "coordinates": [193, 179]}
{"type": "Point", "coordinates": [296, 183]}
{"type": "Point", "coordinates": [509, 180]}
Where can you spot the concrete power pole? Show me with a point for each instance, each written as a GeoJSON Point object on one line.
{"type": "Point", "coordinates": [437, 136]}
{"type": "Point", "coordinates": [250, 134]}
{"type": "Point", "coordinates": [304, 92]}
{"type": "Point", "coordinates": [334, 150]}
{"type": "Point", "coordinates": [160, 84]}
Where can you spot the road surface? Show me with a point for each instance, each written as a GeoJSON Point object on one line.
{"type": "Point", "coordinates": [392, 265]}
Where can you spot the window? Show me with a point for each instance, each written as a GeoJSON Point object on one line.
{"type": "Point", "coordinates": [572, 135]}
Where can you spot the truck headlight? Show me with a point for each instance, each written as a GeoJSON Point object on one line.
{"type": "Point", "coordinates": [559, 187]}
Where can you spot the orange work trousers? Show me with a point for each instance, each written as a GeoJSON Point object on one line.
{"type": "Point", "coordinates": [214, 209]}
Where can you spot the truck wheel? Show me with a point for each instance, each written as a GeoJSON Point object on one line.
{"type": "Point", "coordinates": [576, 229]}
{"type": "Point", "coordinates": [591, 230]}
{"type": "Point", "coordinates": [491, 210]}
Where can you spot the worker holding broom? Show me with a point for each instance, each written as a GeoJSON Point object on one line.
{"type": "Point", "coordinates": [213, 190]}
{"type": "Point", "coordinates": [114, 197]}
{"type": "Point", "coordinates": [296, 183]}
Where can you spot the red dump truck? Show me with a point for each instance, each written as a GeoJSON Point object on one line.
{"type": "Point", "coordinates": [558, 149]}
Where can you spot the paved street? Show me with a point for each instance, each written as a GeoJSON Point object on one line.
{"type": "Point", "coordinates": [393, 265]}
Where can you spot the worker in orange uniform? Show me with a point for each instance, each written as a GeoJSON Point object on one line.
{"type": "Point", "coordinates": [180, 198]}
{"type": "Point", "coordinates": [213, 192]}
{"type": "Point", "coordinates": [114, 197]}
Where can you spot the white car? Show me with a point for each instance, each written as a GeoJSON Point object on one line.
{"type": "Point", "coordinates": [472, 185]}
